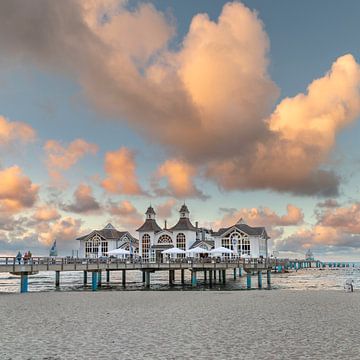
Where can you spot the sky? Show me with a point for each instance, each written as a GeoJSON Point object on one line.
{"type": "Point", "coordinates": [239, 109]}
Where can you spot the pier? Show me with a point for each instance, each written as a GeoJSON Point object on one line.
{"type": "Point", "coordinates": [212, 270]}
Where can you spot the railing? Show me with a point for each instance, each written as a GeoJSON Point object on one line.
{"type": "Point", "coordinates": [191, 262]}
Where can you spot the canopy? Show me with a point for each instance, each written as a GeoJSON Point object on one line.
{"type": "Point", "coordinates": [198, 250]}
{"type": "Point", "coordinates": [221, 250]}
{"type": "Point", "coordinates": [119, 252]}
{"type": "Point", "coordinates": [173, 250]}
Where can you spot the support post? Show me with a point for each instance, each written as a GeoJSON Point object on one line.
{"type": "Point", "coordinates": [57, 278]}
{"type": "Point", "coordinates": [143, 276]}
{"type": "Point", "coordinates": [234, 273]}
{"type": "Point", "coordinates": [219, 275]}
{"type": "Point", "coordinates": [85, 277]}
{"type": "Point", "coordinates": [123, 278]}
{"type": "Point", "coordinates": [259, 279]}
{"type": "Point", "coordinates": [205, 275]}
{"type": "Point", "coordinates": [94, 280]}
{"type": "Point", "coordinates": [182, 276]}
{"type": "Point", "coordinates": [224, 276]}
{"type": "Point", "coordinates": [268, 275]}
{"type": "Point", "coordinates": [147, 279]}
{"type": "Point", "coordinates": [99, 278]}
{"type": "Point", "coordinates": [107, 276]}
{"type": "Point", "coordinates": [248, 280]}
{"type": "Point", "coordinates": [210, 278]}
{"type": "Point", "coordinates": [171, 277]}
{"type": "Point", "coordinates": [24, 283]}
{"type": "Point", "coordinates": [193, 278]}
{"type": "Point", "coordinates": [240, 271]}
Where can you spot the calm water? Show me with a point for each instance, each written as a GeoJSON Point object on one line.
{"type": "Point", "coordinates": [313, 279]}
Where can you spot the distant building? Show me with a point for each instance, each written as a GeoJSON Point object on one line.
{"type": "Point", "coordinates": [240, 237]}
{"type": "Point", "coordinates": [99, 242]}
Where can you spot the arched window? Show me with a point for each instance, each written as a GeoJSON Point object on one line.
{"type": "Point", "coordinates": [181, 241]}
{"type": "Point", "coordinates": [92, 246]}
{"type": "Point", "coordinates": [165, 239]}
{"type": "Point", "coordinates": [231, 241]}
{"type": "Point", "coordinates": [145, 245]}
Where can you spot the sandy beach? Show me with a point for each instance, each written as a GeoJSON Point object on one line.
{"type": "Point", "coordinates": [180, 325]}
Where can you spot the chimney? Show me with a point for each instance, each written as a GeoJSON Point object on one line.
{"type": "Point", "coordinates": [197, 230]}
{"type": "Point", "coordinates": [165, 224]}
{"type": "Point", "coordinates": [196, 224]}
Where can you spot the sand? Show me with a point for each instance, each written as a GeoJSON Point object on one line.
{"type": "Point", "coordinates": [180, 325]}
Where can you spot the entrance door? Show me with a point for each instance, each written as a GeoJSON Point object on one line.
{"type": "Point", "coordinates": [159, 256]}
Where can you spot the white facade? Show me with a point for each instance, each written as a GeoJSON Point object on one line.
{"type": "Point", "coordinates": [241, 238]}
{"type": "Point", "coordinates": [99, 242]}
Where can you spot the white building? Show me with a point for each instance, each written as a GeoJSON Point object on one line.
{"type": "Point", "coordinates": [242, 238]}
{"type": "Point", "coordinates": [99, 242]}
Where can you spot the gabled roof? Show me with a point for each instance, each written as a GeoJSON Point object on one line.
{"type": "Point", "coordinates": [197, 243]}
{"type": "Point", "coordinates": [149, 225]}
{"type": "Point", "coordinates": [183, 224]}
{"type": "Point", "coordinates": [106, 233]}
{"type": "Point", "coordinates": [249, 230]}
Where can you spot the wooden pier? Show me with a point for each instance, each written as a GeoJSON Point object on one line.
{"type": "Point", "coordinates": [209, 268]}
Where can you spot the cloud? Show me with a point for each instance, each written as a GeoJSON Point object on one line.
{"type": "Point", "coordinates": [63, 230]}
{"type": "Point", "coordinates": [336, 227]}
{"type": "Point", "coordinates": [303, 130]}
{"type": "Point", "coordinates": [46, 213]}
{"type": "Point", "coordinates": [15, 132]}
{"type": "Point", "coordinates": [262, 216]}
{"type": "Point", "coordinates": [125, 215]}
{"type": "Point", "coordinates": [165, 210]}
{"type": "Point", "coordinates": [60, 158]}
{"type": "Point", "coordinates": [180, 180]}
{"type": "Point", "coordinates": [328, 203]}
{"type": "Point", "coordinates": [209, 101]}
{"type": "Point", "coordinates": [17, 192]}
{"type": "Point", "coordinates": [84, 201]}
{"type": "Point", "coordinates": [120, 169]}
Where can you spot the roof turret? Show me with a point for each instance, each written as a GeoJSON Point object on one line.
{"type": "Point", "coordinates": [184, 211]}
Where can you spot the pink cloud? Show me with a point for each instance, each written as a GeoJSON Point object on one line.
{"type": "Point", "coordinates": [209, 102]}
{"type": "Point", "coordinates": [15, 131]}
{"type": "Point", "coordinates": [180, 180]}
{"type": "Point", "coordinates": [84, 201]}
{"type": "Point", "coordinates": [17, 192]}
{"type": "Point", "coordinates": [60, 158]}
{"type": "Point", "coordinates": [120, 169]}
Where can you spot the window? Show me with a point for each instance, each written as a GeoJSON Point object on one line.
{"type": "Point", "coordinates": [104, 247]}
{"type": "Point", "coordinates": [165, 239]}
{"type": "Point", "coordinates": [181, 241]}
{"type": "Point", "coordinates": [92, 246]}
{"type": "Point", "coordinates": [225, 242]}
{"type": "Point", "coordinates": [145, 246]}
{"type": "Point", "coordinates": [245, 246]}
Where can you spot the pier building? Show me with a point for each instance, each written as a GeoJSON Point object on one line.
{"type": "Point", "coordinates": [99, 242]}
{"type": "Point", "coordinates": [240, 237]}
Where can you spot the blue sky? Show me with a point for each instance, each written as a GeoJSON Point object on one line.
{"type": "Point", "coordinates": [62, 102]}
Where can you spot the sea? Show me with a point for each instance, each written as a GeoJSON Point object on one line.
{"type": "Point", "coordinates": [302, 279]}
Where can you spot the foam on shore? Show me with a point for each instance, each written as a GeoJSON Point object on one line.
{"type": "Point", "coordinates": [180, 325]}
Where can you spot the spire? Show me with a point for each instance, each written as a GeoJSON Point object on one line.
{"type": "Point", "coordinates": [184, 211]}
{"type": "Point", "coordinates": [150, 213]}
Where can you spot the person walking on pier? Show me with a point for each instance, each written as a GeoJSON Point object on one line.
{"type": "Point", "coordinates": [19, 257]}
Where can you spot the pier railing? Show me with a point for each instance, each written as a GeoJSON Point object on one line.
{"type": "Point", "coordinates": [34, 264]}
